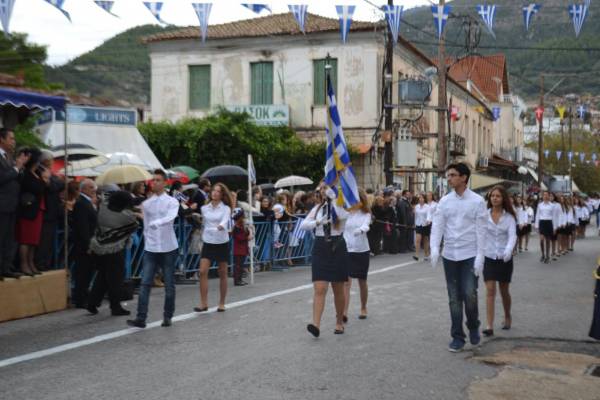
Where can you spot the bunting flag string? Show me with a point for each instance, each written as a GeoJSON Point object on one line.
{"type": "Point", "coordinates": [106, 5]}
{"type": "Point", "coordinates": [257, 8]}
{"type": "Point", "coordinates": [345, 14]}
{"type": "Point", "coordinates": [6, 8]}
{"type": "Point", "coordinates": [561, 112]}
{"type": "Point", "coordinates": [546, 153]}
{"type": "Point", "coordinates": [299, 12]}
{"type": "Point", "coordinates": [558, 154]}
{"type": "Point", "coordinates": [528, 12]}
{"type": "Point", "coordinates": [581, 111]}
{"type": "Point", "coordinates": [59, 5]}
{"type": "Point", "coordinates": [155, 8]}
{"type": "Point", "coordinates": [578, 13]}
{"type": "Point", "coordinates": [487, 13]}
{"type": "Point", "coordinates": [496, 113]}
{"type": "Point", "coordinates": [440, 17]}
{"type": "Point", "coordinates": [570, 156]}
{"type": "Point", "coordinates": [203, 12]}
{"type": "Point", "coordinates": [393, 15]}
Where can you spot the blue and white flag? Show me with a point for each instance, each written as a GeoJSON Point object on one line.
{"type": "Point", "coordinates": [299, 12]}
{"type": "Point", "coordinates": [59, 4]}
{"type": "Point", "coordinates": [251, 170]}
{"type": "Point", "coordinates": [594, 157]}
{"type": "Point", "coordinates": [578, 13]}
{"type": "Point", "coordinates": [257, 8]}
{"type": "Point", "coordinates": [496, 112]}
{"type": "Point", "coordinates": [581, 157]}
{"type": "Point", "coordinates": [440, 17]}
{"type": "Point", "coordinates": [297, 232]}
{"type": "Point", "coordinates": [106, 5]}
{"type": "Point", "coordinates": [155, 7]}
{"type": "Point", "coordinates": [528, 12]}
{"type": "Point", "coordinates": [581, 111]}
{"type": "Point", "coordinates": [6, 8]}
{"type": "Point", "coordinates": [570, 155]}
{"type": "Point", "coordinates": [546, 153]}
{"type": "Point", "coordinates": [345, 14]}
{"type": "Point", "coordinates": [558, 154]}
{"type": "Point", "coordinates": [203, 13]}
{"type": "Point", "coordinates": [487, 13]}
{"type": "Point", "coordinates": [339, 174]}
{"type": "Point", "coordinates": [393, 14]}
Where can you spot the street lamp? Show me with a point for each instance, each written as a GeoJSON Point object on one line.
{"type": "Point", "coordinates": [571, 99]}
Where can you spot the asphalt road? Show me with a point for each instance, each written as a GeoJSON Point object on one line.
{"type": "Point", "coordinates": [259, 349]}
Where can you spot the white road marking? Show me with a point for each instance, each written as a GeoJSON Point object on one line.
{"type": "Point", "coordinates": [183, 317]}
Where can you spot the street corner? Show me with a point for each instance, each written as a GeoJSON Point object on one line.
{"type": "Point", "coordinates": [537, 368]}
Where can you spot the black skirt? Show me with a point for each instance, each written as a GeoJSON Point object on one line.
{"type": "Point", "coordinates": [546, 228]}
{"type": "Point", "coordinates": [216, 252]}
{"type": "Point", "coordinates": [497, 270]}
{"type": "Point", "coordinates": [330, 260]}
{"type": "Point", "coordinates": [358, 265]}
{"type": "Point", "coordinates": [424, 230]}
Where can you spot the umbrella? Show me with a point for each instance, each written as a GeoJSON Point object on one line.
{"type": "Point", "coordinates": [293, 180]}
{"type": "Point", "coordinates": [121, 158]}
{"type": "Point", "coordinates": [123, 174]}
{"type": "Point", "coordinates": [188, 171]}
{"type": "Point", "coordinates": [176, 176]}
{"type": "Point", "coordinates": [79, 167]}
{"type": "Point", "coordinates": [108, 188]}
{"type": "Point", "coordinates": [231, 175]}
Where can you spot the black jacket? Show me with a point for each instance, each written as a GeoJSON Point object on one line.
{"type": "Point", "coordinates": [54, 209]}
{"type": "Point", "coordinates": [9, 186]}
{"type": "Point", "coordinates": [35, 188]}
{"type": "Point", "coordinates": [84, 220]}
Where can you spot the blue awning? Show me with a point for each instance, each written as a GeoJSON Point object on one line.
{"type": "Point", "coordinates": [31, 100]}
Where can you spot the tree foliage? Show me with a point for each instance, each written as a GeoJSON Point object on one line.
{"type": "Point", "coordinates": [227, 138]}
{"type": "Point", "coordinates": [26, 136]}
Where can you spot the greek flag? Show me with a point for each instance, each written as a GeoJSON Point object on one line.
{"type": "Point", "coordinates": [299, 12]}
{"type": "Point", "coordinates": [393, 15]}
{"type": "Point", "coordinates": [251, 171]}
{"type": "Point", "coordinates": [59, 4]}
{"type": "Point", "coordinates": [528, 12]}
{"type": "Point", "coordinates": [6, 8]}
{"type": "Point", "coordinates": [487, 13]}
{"type": "Point", "coordinates": [345, 14]}
{"type": "Point", "coordinates": [558, 154]}
{"type": "Point", "coordinates": [203, 13]}
{"type": "Point", "coordinates": [496, 112]}
{"type": "Point", "coordinates": [578, 12]}
{"type": "Point", "coordinates": [155, 8]}
{"type": "Point", "coordinates": [338, 170]}
{"type": "Point", "coordinates": [440, 17]}
{"type": "Point", "coordinates": [582, 157]}
{"type": "Point", "coordinates": [257, 8]}
{"type": "Point", "coordinates": [106, 5]}
{"type": "Point", "coordinates": [581, 111]}
{"type": "Point", "coordinates": [297, 232]}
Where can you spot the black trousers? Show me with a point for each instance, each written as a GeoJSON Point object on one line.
{"type": "Point", "coordinates": [109, 278]}
{"type": "Point", "coordinates": [375, 235]}
{"type": "Point", "coordinates": [45, 250]}
{"type": "Point", "coordinates": [83, 273]}
{"type": "Point", "coordinates": [8, 245]}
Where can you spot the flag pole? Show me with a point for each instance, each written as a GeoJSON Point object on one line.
{"type": "Point", "coordinates": [250, 202]}
{"type": "Point", "coordinates": [327, 226]}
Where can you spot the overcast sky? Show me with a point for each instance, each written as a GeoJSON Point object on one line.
{"type": "Point", "coordinates": [92, 25]}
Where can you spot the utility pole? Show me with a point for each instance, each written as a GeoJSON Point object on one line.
{"type": "Point", "coordinates": [569, 159]}
{"type": "Point", "coordinates": [388, 82]}
{"type": "Point", "coordinates": [442, 107]}
{"type": "Point", "coordinates": [541, 135]}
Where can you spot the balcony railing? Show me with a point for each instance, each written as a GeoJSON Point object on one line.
{"type": "Point", "coordinates": [457, 145]}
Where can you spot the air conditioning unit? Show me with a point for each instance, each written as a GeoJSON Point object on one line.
{"type": "Point", "coordinates": [414, 91]}
{"type": "Point", "coordinates": [406, 153]}
{"type": "Point", "coordinates": [483, 162]}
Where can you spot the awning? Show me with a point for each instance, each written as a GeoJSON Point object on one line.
{"type": "Point", "coordinates": [479, 181]}
{"type": "Point", "coordinates": [534, 175]}
{"type": "Point", "coordinates": [31, 100]}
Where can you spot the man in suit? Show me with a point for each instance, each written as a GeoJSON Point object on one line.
{"type": "Point", "coordinates": [10, 171]}
{"type": "Point", "coordinates": [402, 211]}
{"type": "Point", "coordinates": [201, 196]}
{"type": "Point", "coordinates": [83, 227]}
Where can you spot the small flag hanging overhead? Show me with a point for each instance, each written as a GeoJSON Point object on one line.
{"type": "Point", "coordinates": [496, 112]}
{"type": "Point", "coordinates": [594, 157]}
{"type": "Point", "coordinates": [6, 8]}
{"type": "Point", "coordinates": [59, 4]}
{"type": "Point", "coordinates": [155, 8]}
{"type": "Point", "coordinates": [299, 12]}
{"type": "Point", "coordinates": [487, 13]}
{"type": "Point", "coordinates": [578, 13]}
{"type": "Point", "coordinates": [257, 8]}
{"type": "Point", "coordinates": [393, 15]}
{"type": "Point", "coordinates": [440, 17]}
{"type": "Point", "coordinates": [561, 112]}
{"type": "Point", "coordinates": [345, 14]}
{"type": "Point", "coordinates": [106, 5]}
{"type": "Point", "coordinates": [546, 153]}
{"type": "Point", "coordinates": [582, 157]}
{"type": "Point", "coordinates": [570, 155]}
{"type": "Point", "coordinates": [581, 111]}
{"type": "Point", "coordinates": [454, 113]}
{"type": "Point", "coordinates": [203, 12]}
{"type": "Point", "coordinates": [528, 12]}
{"type": "Point", "coordinates": [558, 154]}
{"type": "Point", "coordinates": [539, 114]}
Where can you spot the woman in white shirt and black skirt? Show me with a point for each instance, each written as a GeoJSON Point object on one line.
{"type": "Point", "coordinates": [546, 222]}
{"type": "Point", "coordinates": [329, 257]}
{"type": "Point", "coordinates": [501, 237]}
{"type": "Point", "coordinates": [422, 227]}
{"type": "Point", "coordinates": [216, 218]}
{"type": "Point", "coordinates": [357, 243]}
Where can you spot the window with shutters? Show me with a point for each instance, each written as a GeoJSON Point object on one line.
{"type": "Point", "coordinates": [319, 80]}
{"type": "Point", "coordinates": [199, 87]}
{"type": "Point", "coordinates": [261, 85]}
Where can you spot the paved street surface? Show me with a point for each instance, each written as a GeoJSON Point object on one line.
{"type": "Point", "coordinates": [259, 349]}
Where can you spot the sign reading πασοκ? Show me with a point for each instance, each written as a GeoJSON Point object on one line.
{"type": "Point", "coordinates": [265, 114]}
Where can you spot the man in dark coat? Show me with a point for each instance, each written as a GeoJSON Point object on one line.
{"type": "Point", "coordinates": [83, 226]}
{"type": "Point", "coordinates": [10, 171]}
{"type": "Point", "coordinates": [403, 210]}
{"type": "Point", "coordinates": [410, 220]}
{"type": "Point", "coordinates": [203, 194]}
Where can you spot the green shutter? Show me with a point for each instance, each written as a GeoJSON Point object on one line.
{"type": "Point", "coordinates": [319, 81]}
{"type": "Point", "coordinates": [199, 87]}
{"type": "Point", "coordinates": [261, 85]}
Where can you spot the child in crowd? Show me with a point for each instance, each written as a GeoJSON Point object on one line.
{"type": "Point", "coordinates": [241, 237]}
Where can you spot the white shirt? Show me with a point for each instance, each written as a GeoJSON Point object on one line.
{"type": "Point", "coordinates": [355, 231]}
{"type": "Point", "coordinates": [159, 215]}
{"type": "Point", "coordinates": [522, 216]}
{"type": "Point", "coordinates": [530, 215]}
{"type": "Point", "coordinates": [571, 217]}
{"type": "Point", "coordinates": [585, 214]}
{"type": "Point", "coordinates": [318, 216]}
{"type": "Point", "coordinates": [562, 219]}
{"type": "Point", "coordinates": [432, 208]}
{"type": "Point", "coordinates": [461, 221]}
{"type": "Point", "coordinates": [214, 217]}
{"type": "Point", "coordinates": [421, 215]}
{"type": "Point", "coordinates": [500, 238]}
{"type": "Point", "coordinates": [546, 212]}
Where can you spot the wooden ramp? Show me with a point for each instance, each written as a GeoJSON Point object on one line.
{"type": "Point", "coordinates": [26, 297]}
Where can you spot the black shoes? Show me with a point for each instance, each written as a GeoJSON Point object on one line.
{"type": "Point", "coordinates": [119, 312]}
{"type": "Point", "coordinates": [136, 323]}
{"type": "Point", "coordinates": [10, 274]}
{"type": "Point", "coordinates": [166, 322]}
{"type": "Point", "coordinates": [313, 330]}
{"type": "Point", "coordinates": [200, 309]}
{"type": "Point", "coordinates": [488, 332]}
{"type": "Point", "coordinates": [92, 309]}
{"type": "Point", "coordinates": [240, 283]}
{"type": "Point", "coordinates": [338, 331]}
